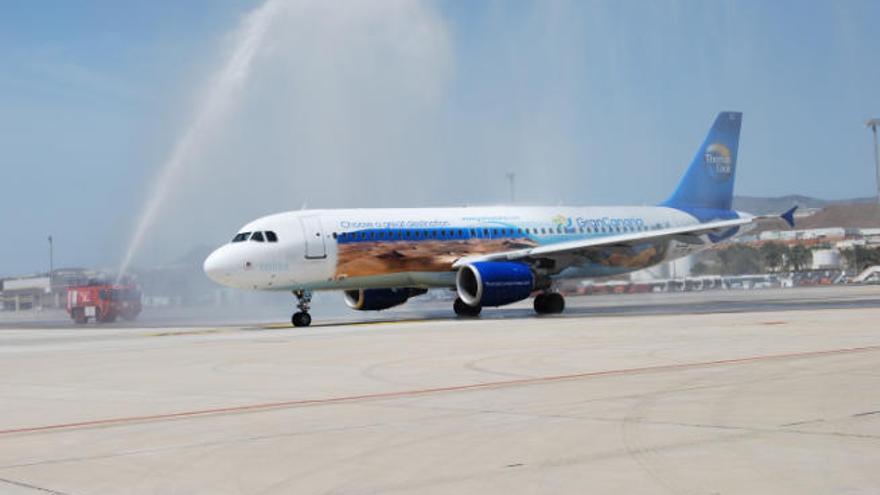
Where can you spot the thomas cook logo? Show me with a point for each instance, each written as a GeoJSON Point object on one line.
{"type": "Point", "coordinates": [719, 161]}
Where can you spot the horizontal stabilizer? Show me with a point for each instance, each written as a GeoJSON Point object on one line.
{"type": "Point", "coordinates": [788, 216]}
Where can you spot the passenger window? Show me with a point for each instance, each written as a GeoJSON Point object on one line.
{"type": "Point", "coordinates": [271, 237]}
{"type": "Point", "coordinates": [258, 236]}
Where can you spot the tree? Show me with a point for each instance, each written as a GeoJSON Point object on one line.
{"type": "Point", "coordinates": [799, 257]}
{"type": "Point", "coordinates": [738, 259]}
{"type": "Point", "coordinates": [859, 257]}
{"type": "Point", "coordinates": [700, 268]}
{"type": "Point", "coordinates": [772, 254]}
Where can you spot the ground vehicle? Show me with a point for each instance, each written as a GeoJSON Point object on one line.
{"type": "Point", "coordinates": [103, 302]}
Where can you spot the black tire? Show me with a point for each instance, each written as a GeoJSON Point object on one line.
{"type": "Point", "coordinates": [539, 304]}
{"type": "Point", "coordinates": [555, 303]}
{"type": "Point", "coordinates": [79, 316]}
{"type": "Point", "coordinates": [549, 303]}
{"type": "Point", "coordinates": [465, 310]}
{"type": "Point", "coordinates": [301, 319]}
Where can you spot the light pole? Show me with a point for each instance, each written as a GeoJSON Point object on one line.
{"type": "Point", "coordinates": [873, 124]}
{"type": "Point", "coordinates": [51, 261]}
{"type": "Point", "coordinates": [510, 177]}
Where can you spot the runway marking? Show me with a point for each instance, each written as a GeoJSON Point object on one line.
{"type": "Point", "coordinates": [202, 331]}
{"type": "Point", "coordinates": [429, 391]}
{"type": "Point", "coordinates": [29, 486]}
{"type": "Point", "coordinates": [365, 323]}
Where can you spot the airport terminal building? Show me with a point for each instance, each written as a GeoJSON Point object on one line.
{"type": "Point", "coordinates": [40, 291]}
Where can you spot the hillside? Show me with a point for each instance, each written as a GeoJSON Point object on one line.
{"type": "Point", "coordinates": [765, 206]}
{"type": "Point", "coordinates": [859, 215]}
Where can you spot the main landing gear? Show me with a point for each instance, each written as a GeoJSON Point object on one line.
{"type": "Point", "coordinates": [465, 310]}
{"type": "Point", "coordinates": [302, 318]}
{"type": "Point", "coordinates": [547, 303]}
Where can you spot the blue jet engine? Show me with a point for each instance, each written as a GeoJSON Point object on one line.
{"type": "Point", "coordinates": [494, 283]}
{"type": "Point", "coordinates": [379, 299]}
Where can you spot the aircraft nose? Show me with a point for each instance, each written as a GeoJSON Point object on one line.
{"type": "Point", "coordinates": [218, 266]}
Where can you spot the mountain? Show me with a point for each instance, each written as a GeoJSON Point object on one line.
{"type": "Point", "coordinates": [766, 206]}
{"type": "Point", "coordinates": [847, 213]}
{"type": "Point", "coordinates": [854, 215]}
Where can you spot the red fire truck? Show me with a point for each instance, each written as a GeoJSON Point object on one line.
{"type": "Point", "coordinates": [103, 302]}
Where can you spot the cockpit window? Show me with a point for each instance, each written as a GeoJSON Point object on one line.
{"type": "Point", "coordinates": [241, 236]}
{"type": "Point", "coordinates": [258, 236]}
{"type": "Point", "coordinates": [271, 237]}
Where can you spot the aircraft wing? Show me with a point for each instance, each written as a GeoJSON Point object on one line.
{"type": "Point", "coordinates": [691, 234]}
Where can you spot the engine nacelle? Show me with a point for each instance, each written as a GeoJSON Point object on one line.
{"type": "Point", "coordinates": [494, 283]}
{"type": "Point", "coordinates": [379, 299]}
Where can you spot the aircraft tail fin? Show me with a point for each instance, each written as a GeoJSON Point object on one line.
{"type": "Point", "coordinates": [708, 182]}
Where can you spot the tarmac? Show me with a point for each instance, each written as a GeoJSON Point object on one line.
{"type": "Point", "coordinates": [712, 393]}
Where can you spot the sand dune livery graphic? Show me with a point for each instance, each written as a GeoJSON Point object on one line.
{"type": "Point", "coordinates": [719, 161]}
{"type": "Point", "coordinates": [430, 250]}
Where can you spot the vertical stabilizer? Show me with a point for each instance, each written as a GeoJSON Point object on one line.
{"type": "Point", "coordinates": [708, 182]}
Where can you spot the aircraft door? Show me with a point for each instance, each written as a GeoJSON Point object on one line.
{"type": "Point", "coordinates": [314, 237]}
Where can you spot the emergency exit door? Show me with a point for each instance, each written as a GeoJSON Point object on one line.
{"type": "Point", "coordinates": [314, 236]}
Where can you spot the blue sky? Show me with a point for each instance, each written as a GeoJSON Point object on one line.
{"type": "Point", "coordinates": [588, 102]}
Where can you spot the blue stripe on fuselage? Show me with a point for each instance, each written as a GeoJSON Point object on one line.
{"type": "Point", "coordinates": [465, 233]}
{"type": "Point", "coordinates": [429, 234]}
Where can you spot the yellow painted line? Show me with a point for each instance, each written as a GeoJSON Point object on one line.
{"type": "Point", "coordinates": [188, 332]}
{"type": "Point", "coordinates": [279, 326]}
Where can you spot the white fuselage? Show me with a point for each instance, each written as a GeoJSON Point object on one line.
{"type": "Point", "coordinates": [416, 247]}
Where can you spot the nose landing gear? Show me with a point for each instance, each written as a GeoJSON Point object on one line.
{"type": "Point", "coordinates": [302, 318]}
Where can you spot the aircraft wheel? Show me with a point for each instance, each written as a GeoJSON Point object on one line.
{"type": "Point", "coordinates": [301, 319]}
{"type": "Point", "coordinates": [465, 310]}
{"type": "Point", "coordinates": [549, 303]}
{"type": "Point", "coordinates": [555, 303]}
{"type": "Point", "coordinates": [79, 316]}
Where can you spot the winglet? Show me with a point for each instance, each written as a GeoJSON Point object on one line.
{"type": "Point", "coordinates": [788, 216]}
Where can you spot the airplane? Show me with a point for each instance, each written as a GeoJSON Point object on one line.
{"type": "Point", "coordinates": [491, 256]}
